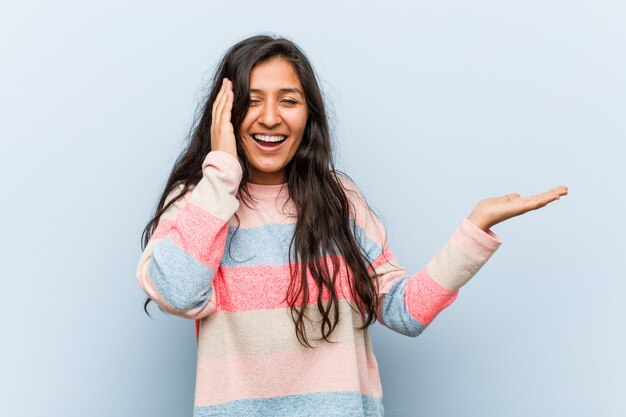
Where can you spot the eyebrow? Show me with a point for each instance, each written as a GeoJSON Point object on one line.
{"type": "Point", "coordinates": [282, 90]}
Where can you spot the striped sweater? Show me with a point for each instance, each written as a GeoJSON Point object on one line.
{"type": "Point", "coordinates": [234, 286]}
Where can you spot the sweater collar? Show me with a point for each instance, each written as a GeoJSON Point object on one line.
{"type": "Point", "coordinates": [271, 191]}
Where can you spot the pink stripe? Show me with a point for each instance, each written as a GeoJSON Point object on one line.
{"type": "Point", "coordinates": [287, 373]}
{"type": "Point", "coordinates": [425, 298]}
{"type": "Point", "coordinates": [247, 288]}
{"type": "Point", "coordinates": [163, 228]}
{"type": "Point", "coordinates": [198, 232]}
{"type": "Point", "coordinates": [384, 257]}
{"type": "Point", "coordinates": [475, 242]}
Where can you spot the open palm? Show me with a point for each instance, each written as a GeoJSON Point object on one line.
{"type": "Point", "coordinates": [491, 211]}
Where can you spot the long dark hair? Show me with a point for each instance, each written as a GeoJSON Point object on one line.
{"type": "Point", "coordinates": [314, 185]}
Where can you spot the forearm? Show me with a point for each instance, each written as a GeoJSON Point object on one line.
{"type": "Point", "coordinates": [181, 260]}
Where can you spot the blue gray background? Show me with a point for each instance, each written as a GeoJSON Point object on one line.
{"type": "Point", "coordinates": [434, 105]}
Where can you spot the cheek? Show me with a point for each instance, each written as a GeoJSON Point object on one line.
{"type": "Point", "coordinates": [245, 124]}
{"type": "Point", "coordinates": [298, 122]}
{"type": "Point", "coordinates": [244, 130]}
{"type": "Point", "coordinates": [249, 118]}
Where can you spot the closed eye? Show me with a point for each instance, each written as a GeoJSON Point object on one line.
{"type": "Point", "coordinates": [254, 101]}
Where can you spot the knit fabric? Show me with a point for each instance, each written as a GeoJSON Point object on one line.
{"type": "Point", "coordinates": [234, 283]}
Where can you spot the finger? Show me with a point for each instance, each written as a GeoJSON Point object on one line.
{"type": "Point", "coordinates": [218, 98]}
{"type": "Point", "coordinates": [222, 121]}
{"type": "Point", "coordinates": [537, 201]}
{"type": "Point", "coordinates": [549, 195]}
{"type": "Point", "coordinates": [220, 106]}
{"type": "Point", "coordinates": [560, 190]}
{"type": "Point", "coordinates": [215, 103]}
{"type": "Point", "coordinates": [228, 105]}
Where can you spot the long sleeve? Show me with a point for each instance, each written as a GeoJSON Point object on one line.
{"type": "Point", "coordinates": [179, 263]}
{"type": "Point", "coordinates": [409, 303]}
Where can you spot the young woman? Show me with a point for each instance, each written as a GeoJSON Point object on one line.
{"type": "Point", "coordinates": [278, 258]}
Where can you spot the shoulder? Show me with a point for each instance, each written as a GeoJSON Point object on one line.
{"type": "Point", "coordinates": [368, 228]}
{"type": "Point", "coordinates": [360, 210]}
{"type": "Point", "coordinates": [353, 192]}
{"type": "Point", "coordinates": [175, 194]}
{"type": "Point", "coordinates": [177, 190]}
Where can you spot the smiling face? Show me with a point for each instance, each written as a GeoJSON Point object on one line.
{"type": "Point", "coordinates": [272, 129]}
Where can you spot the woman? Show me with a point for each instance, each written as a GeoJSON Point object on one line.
{"type": "Point", "coordinates": [255, 219]}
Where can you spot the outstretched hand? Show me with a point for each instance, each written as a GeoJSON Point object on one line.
{"type": "Point", "coordinates": [491, 211]}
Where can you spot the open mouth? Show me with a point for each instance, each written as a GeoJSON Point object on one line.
{"type": "Point", "coordinates": [269, 141]}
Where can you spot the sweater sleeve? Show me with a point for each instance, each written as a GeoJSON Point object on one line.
{"type": "Point", "coordinates": [408, 303]}
{"type": "Point", "coordinates": [179, 263]}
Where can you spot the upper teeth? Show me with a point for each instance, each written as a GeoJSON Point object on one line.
{"type": "Point", "coordinates": [269, 138]}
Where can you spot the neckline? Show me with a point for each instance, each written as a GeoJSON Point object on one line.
{"type": "Point", "coordinates": [265, 189]}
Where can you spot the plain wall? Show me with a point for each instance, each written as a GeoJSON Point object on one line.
{"type": "Point", "coordinates": [435, 106]}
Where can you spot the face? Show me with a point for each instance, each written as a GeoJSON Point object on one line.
{"type": "Point", "coordinates": [273, 127]}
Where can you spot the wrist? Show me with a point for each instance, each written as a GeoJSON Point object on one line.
{"type": "Point", "coordinates": [479, 221]}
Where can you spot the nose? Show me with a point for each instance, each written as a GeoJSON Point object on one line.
{"type": "Point", "coordinates": [270, 115]}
